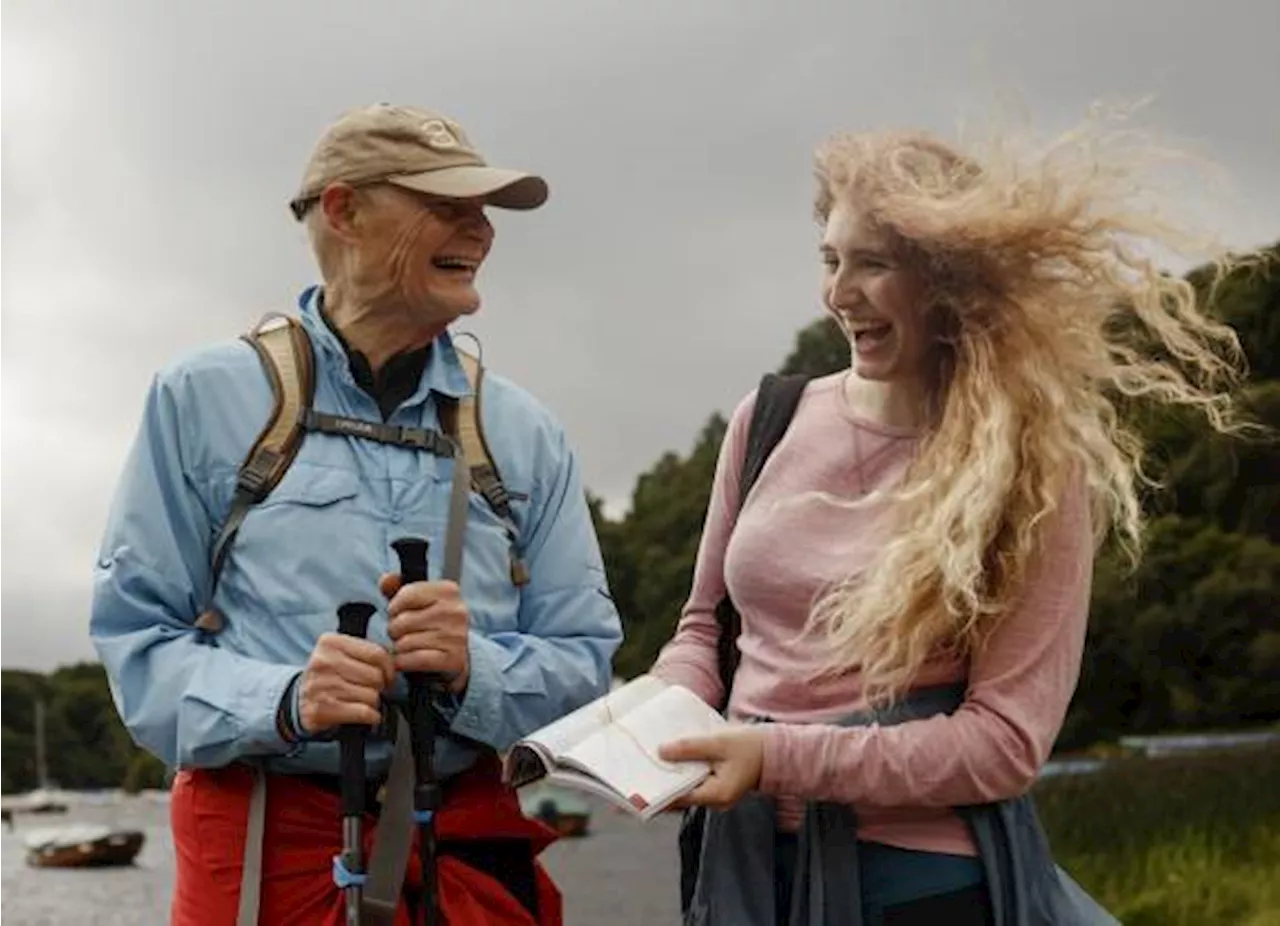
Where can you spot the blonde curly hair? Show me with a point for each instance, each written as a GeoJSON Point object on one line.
{"type": "Point", "coordinates": [1050, 314]}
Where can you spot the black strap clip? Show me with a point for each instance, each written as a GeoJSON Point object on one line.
{"type": "Point", "coordinates": [414, 438]}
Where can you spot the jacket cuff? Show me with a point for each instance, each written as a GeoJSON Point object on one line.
{"type": "Point", "coordinates": [291, 711]}
{"type": "Point", "coordinates": [478, 716]}
{"type": "Point", "coordinates": [263, 731]}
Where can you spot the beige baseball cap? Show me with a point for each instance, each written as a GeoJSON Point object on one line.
{"type": "Point", "coordinates": [414, 148]}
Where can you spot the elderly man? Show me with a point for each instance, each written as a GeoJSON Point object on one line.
{"type": "Point", "coordinates": [214, 600]}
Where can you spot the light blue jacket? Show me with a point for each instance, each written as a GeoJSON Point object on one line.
{"type": "Point", "coordinates": [323, 537]}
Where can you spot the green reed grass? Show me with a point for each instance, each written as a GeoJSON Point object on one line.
{"type": "Point", "coordinates": [1186, 841]}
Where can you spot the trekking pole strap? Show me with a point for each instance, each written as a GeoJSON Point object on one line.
{"type": "Point", "coordinates": [457, 525]}
{"type": "Point", "coordinates": [255, 831]}
{"type": "Point", "coordinates": [384, 875]}
{"type": "Point", "coordinates": [394, 837]}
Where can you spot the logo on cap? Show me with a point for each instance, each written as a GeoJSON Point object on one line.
{"type": "Point", "coordinates": [438, 136]}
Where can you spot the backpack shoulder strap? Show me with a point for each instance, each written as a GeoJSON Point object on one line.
{"type": "Point", "coordinates": [776, 400]}
{"type": "Point", "coordinates": [285, 351]}
{"type": "Point", "coordinates": [462, 421]}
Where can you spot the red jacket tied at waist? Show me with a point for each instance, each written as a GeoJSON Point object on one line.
{"type": "Point", "coordinates": [209, 811]}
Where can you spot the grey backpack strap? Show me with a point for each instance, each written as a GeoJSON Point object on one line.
{"type": "Point", "coordinates": [384, 880]}
{"type": "Point", "coordinates": [255, 831]}
{"type": "Point", "coordinates": [457, 526]}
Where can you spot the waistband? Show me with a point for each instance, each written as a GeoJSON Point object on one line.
{"type": "Point", "coordinates": [479, 826]}
{"type": "Point", "coordinates": [736, 881]}
{"type": "Point", "coordinates": [916, 704]}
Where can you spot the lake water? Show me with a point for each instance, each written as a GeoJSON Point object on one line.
{"type": "Point", "coordinates": [624, 873]}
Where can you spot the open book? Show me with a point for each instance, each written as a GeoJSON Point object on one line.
{"type": "Point", "coordinates": [610, 747]}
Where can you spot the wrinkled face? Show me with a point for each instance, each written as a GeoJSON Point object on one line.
{"type": "Point", "coordinates": [420, 253]}
{"type": "Point", "coordinates": [876, 301]}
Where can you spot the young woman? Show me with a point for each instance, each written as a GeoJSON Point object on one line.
{"type": "Point", "coordinates": [913, 564]}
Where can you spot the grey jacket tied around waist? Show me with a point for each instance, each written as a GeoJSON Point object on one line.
{"type": "Point", "coordinates": [736, 880]}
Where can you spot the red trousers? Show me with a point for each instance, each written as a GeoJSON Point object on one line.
{"type": "Point", "coordinates": [209, 813]}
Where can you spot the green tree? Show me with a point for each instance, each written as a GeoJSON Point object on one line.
{"type": "Point", "coordinates": [19, 692]}
{"type": "Point", "coordinates": [660, 537]}
{"type": "Point", "coordinates": [19, 763]}
{"type": "Point", "coordinates": [1189, 639]}
{"type": "Point", "coordinates": [145, 771]}
{"type": "Point", "coordinates": [820, 348]}
{"type": "Point", "coordinates": [1192, 638]}
{"type": "Point", "coordinates": [87, 746]}
{"type": "Point", "coordinates": [1232, 481]}
{"type": "Point", "coordinates": [1248, 299]}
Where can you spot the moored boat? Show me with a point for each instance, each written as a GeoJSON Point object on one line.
{"type": "Point", "coordinates": [82, 846]}
{"type": "Point", "coordinates": [41, 800]}
{"type": "Point", "coordinates": [558, 808]}
{"type": "Point", "coordinates": [45, 798]}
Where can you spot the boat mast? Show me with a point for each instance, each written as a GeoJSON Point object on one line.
{"type": "Point", "coordinates": [42, 770]}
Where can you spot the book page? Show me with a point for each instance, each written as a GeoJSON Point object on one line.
{"type": "Point", "coordinates": [580, 781]}
{"type": "Point", "coordinates": [624, 754]}
{"type": "Point", "coordinates": [559, 737]}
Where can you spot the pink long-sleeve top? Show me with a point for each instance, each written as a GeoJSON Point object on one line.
{"type": "Point", "coordinates": [791, 539]}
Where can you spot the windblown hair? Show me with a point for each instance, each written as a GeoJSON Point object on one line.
{"type": "Point", "coordinates": [1050, 314]}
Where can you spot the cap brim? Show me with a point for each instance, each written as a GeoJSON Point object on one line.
{"type": "Point", "coordinates": [506, 189]}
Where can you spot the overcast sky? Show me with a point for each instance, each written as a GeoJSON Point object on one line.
{"type": "Point", "coordinates": [149, 149]}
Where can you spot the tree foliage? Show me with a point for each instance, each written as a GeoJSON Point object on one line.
{"type": "Point", "coordinates": [86, 745]}
{"type": "Point", "coordinates": [821, 348]}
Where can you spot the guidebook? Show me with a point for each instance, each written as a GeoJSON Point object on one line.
{"type": "Point", "coordinates": [610, 747]}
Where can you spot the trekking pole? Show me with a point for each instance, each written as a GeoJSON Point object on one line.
{"type": "Point", "coordinates": [422, 735]}
{"type": "Point", "coordinates": [348, 870]}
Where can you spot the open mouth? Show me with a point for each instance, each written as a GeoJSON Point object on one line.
{"type": "Point", "coordinates": [456, 264]}
{"type": "Point", "coordinates": [870, 335]}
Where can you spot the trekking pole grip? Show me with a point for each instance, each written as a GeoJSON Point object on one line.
{"type": "Point", "coordinates": [412, 552]}
{"type": "Point", "coordinates": [353, 621]}
{"type": "Point", "coordinates": [353, 618]}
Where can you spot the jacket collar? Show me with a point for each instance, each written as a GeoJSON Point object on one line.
{"type": "Point", "coordinates": [442, 373]}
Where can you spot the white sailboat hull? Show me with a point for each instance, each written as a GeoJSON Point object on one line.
{"type": "Point", "coordinates": [81, 846]}
{"type": "Point", "coordinates": [41, 800]}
